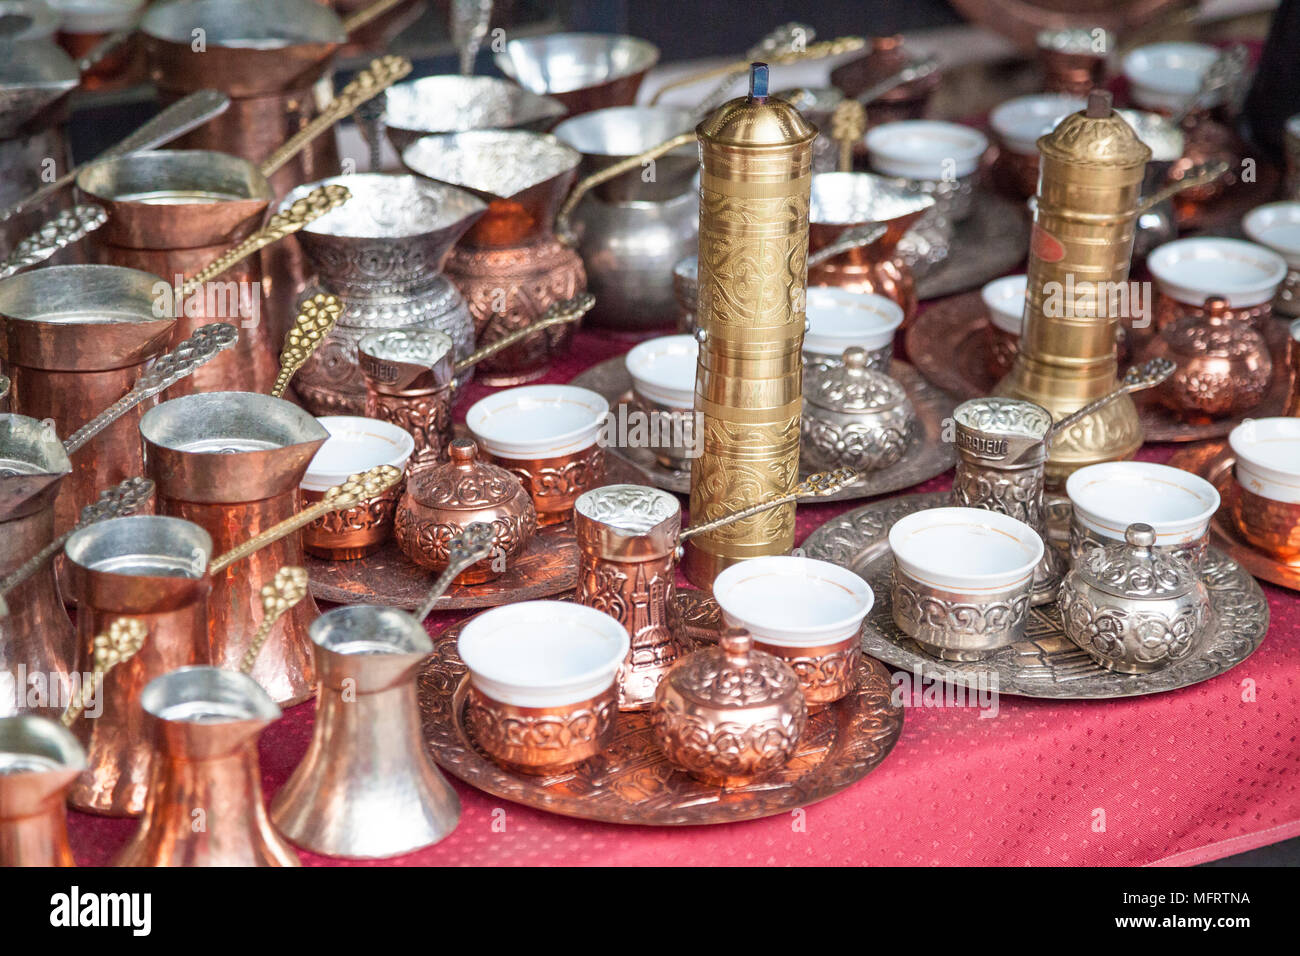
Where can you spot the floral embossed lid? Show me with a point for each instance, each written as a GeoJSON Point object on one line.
{"type": "Point", "coordinates": [1136, 569]}
{"type": "Point", "coordinates": [1215, 334]}
{"type": "Point", "coordinates": [734, 675]}
{"type": "Point", "coordinates": [852, 386]}
{"type": "Point", "coordinates": [464, 482]}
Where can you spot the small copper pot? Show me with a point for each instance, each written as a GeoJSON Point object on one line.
{"type": "Point", "coordinates": [1169, 310]}
{"type": "Point", "coordinates": [1071, 63]}
{"type": "Point", "coordinates": [887, 56]}
{"type": "Point", "coordinates": [442, 500]}
{"type": "Point", "coordinates": [38, 762]}
{"type": "Point", "coordinates": [1223, 364]}
{"type": "Point", "coordinates": [410, 383]}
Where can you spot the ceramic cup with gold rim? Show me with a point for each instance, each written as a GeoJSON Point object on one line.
{"type": "Point", "coordinates": [1189, 271]}
{"type": "Point", "coordinates": [839, 319]}
{"type": "Point", "coordinates": [546, 435]}
{"type": "Point", "coordinates": [1266, 507]}
{"type": "Point", "coordinates": [663, 386]}
{"type": "Point", "coordinates": [542, 694]}
{"type": "Point", "coordinates": [805, 612]}
{"type": "Point", "coordinates": [1005, 300]}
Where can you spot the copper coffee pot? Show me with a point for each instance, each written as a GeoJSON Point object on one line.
{"type": "Point", "coordinates": [842, 202]}
{"type": "Point", "coordinates": [38, 761]}
{"type": "Point", "coordinates": [510, 264]}
{"type": "Point", "coordinates": [411, 379]}
{"type": "Point", "coordinates": [584, 71]}
{"type": "Point", "coordinates": [202, 724]}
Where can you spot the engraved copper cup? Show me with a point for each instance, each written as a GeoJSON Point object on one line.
{"type": "Point", "coordinates": [844, 201]}
{"type": "Point", "coordinates": [232, 463]}
{"type": "Point", "coordinates": [627, 541]}
{"type": "Point", "coordinates": [36, 636]}
{"type": "Point", "coordinates": [153, 569]}
{"type": "Point", "coordinates": [367, 787]}
{"type": "Point", "coordinates": [171, 213]}
{"type": "Point", "coordinates": [77, 338]}
{"type": "Point", "coordinates": [510, 265]}
{"type": "Point", "coordinates": [1266, 497]}
{"type": "Point", "coordinates": [38, 761]}
{"type": "Point", "coordinates": [205, 803]}
{"type": "Point", "coordinates": [409, 382]}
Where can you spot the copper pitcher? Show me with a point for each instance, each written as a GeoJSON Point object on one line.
{"type": "Point", "coordinates": [367, 787]}
{"type": "Point", "coordinates": [232, 462]}
{"type": "Point", "coordinates": [38, 760]}
{"type": "Point", "coordinates": [36, 636]}
{"type": "Point", "coordinates": [844, 201]}
{"type": "Point", "coordinates": [205, 804]}
{"type": "Point", "coordinates": [153, 569]}
{"type": "Point", "coordinates": [76, 339]}
{"type": "Point", "coordinates": [510, 264]}
{"type": "Point", "coordinates": [172, 213]}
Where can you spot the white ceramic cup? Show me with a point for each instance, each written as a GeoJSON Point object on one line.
{"type": "Point", "coordinates": [966, 550]}
{"type": "Point", "coordinates": [839, 319]}
{"type": "Point", "coordinates": [355, 445]}
{"type": "Point", "coordinates": [1268, 457]}
{"type": "Point", "coordinates": [1109, 497]}
{"type": "Point", "coordinates": [537, 421]}
{"type": "Point", "coordinates": [793, 601]}
{"type": "Point", "coordinates": [1005, 300]}
{"type": "Point", "coordinates": [1019, 122]}
{"type": "Point", "coordinates": [925, 149]}
{"type": "Point", "coordinates": [1277, 226]}
{"type": "Point", "coordinates": [1166, 76]}
{"type": "Point", "coordinates": [1192, 270]}
{"type": "Point", "coordinates": [663, 370]}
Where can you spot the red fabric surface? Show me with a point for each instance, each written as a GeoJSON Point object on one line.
{"type": "Point", "coordinates": [1181, 778]}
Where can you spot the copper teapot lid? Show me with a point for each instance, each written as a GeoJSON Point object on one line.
{"type": "Point", "coordinates": [1136, 570]}
{"type": "Point", "coordinates": [1215, 333]}
{"type": "Point", "coordinates": [853, 386]}
{"type": "Point", "coordinates": [463, 482]}
{"type": "Point", "coordinates": [733, 675]}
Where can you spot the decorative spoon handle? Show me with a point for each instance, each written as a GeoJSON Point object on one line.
{"type": "Point", "coordinates": [355, 21]}
{"type": "Point", "coordinates": [470, 546]}
{"type": "Point", "coordinates": [561, 313]}
{"type": "Point", "coordinates": [1138, 377]}
{"type": "Point", "coordinates": [286, 589]}
{"type": "Point", "coordinates": [816, 485]}
{"type": "Point", "coordinates": [814, 51]}
{"type": "Point", "coordinates": [58, 233]}
{"type": "Point", "coordinates": [1196, 176]}
{"type": "Point", "coordinates": [121, 642]}
{"type": "Point", "coordinates": [200, 348]}
{"type": "Point", "coordinates": [916, 71]}
{"type": "Point", "coordinates": [316, 318]}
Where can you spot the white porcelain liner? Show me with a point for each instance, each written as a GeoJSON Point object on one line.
{"type": "Point", "coordinates": [965, 550]}
{"type": "Point", "coordinates": [792, 601]}
{"type": "Point", "coordinates": [1268, 457]}
{"type": "Point", "coordinates": [1109, 497]}
{"type": "Point", "coordinates": [537, 421]}
{"type": "Point", "coordinates": [663, 369]}
{"type": "Point", "coordinates": [1192, 270]}
{"type": "Point", "coordinates": [839, 319]}
{"type": "Point", "coordinates": [925, 149]}
{"type": "Point", "coordinates": [356, 444]}
{"type": "Point", "coordinates": [1019, 122]}
{"type": "Point", "coordinates": [1005, 300]}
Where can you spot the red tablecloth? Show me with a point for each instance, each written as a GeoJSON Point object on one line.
{"type": "Point", "coordinates": [1175, 778]}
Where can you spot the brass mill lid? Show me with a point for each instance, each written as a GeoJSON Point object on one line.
{"type": "Point", "coordinates": [733, 676]}
{"type": "Point", "coordinates": [757, 120]}
{"type": "Point", "coordinates": [1096, 136]}
{"type": "Point", "coordinates": [853, 386]}
{"type": "Point", "coordinates": [1136, 569]}
{"type": "Point", "coordinates": [464, 483]}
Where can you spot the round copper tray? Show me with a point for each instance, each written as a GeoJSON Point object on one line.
{"type": "Point", "coordinates": [1047, 663]}
{"type": "Point", "coordinates": [1021, 20]}
{"type": "Point", "coordinates": [1213, 461]}
{"type": "Point", "coordinates": [949, 342]}
{"type": "Point", "coordinates": [548, 566]}
{"type": "Point", "coordinates": [992, 241]}
{"type": "Point", "coordinates": [633, 783]}
{"type": "Point", "coordinates": [929, 455]}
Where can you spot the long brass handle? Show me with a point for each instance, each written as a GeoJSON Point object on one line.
{"type": "Point", "coordinates": [780, 40]}
{"type": "Point", "coordinates": [306, 210]}
{"type": "Point", "coordinates": [369, 83]}
{"type": "Point", "coordinates": [358, 488]}
{"type": "Point", "coordinates": [562, 229]}
{"type": "Point", "coordinates": [57, 233]}
{"type": "Point", "coordinates": [315, 321]}
{"type": "Point", "coordinates": [470, 546]}
{"type": "Point", "coordinates": [121, 642]}
{"type": "Point", "coordinates": [1200, 175]}
{"type": "Point", "coordinates": [1147, 375]}
{"type": "Point", "coordinates": [816, 51]}
{"type": "Point", "coordinates": [817, 485]}
{"type": "Point", "coordinates": [279, 596]}
{"type": "Point", "coordinates": [848, 124]}
{"type": "Point", "coordinates": [359, 18]}
{"type": "Point", "coordinates": [570, 310]}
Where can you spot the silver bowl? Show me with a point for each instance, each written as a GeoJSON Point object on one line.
{"type": "Point", "coordinates": [453, 104]}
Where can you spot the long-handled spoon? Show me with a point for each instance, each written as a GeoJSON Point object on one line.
{"type": "Point", "coordinates": [63, 230]}
{"type": "Point", "coordinates": [1138, 377]}
{"type": "Point", "coordinates": [469, 547]}
{"type": "Point", "coordinates": [279, 596]}
{"type": "Point", "coordinates": [316, 318]}
{"type": "Point", "coordinates": [561, 313]}
{"type": "Point", "coordinates": [817, 485]}
{"type": "Point", "coordinates": [815, 51]}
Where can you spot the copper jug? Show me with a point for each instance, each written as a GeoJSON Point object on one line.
{"type": "Point", "coordinates": [153, 569]}
{"type": "Point", "coordinates": [367, 787]}
{"type": "Point", "coordinates": [38, 760]}
{"type": "Point", "coordinates": [171, 213]}
{"type": "Point", "coordinates": [510, 264]}
{"type": "Point", "coordinates": [36, 636]}
{"type": "Point", "coordinates": [76, 340]}
{"type": "Point", "coordinates": [232, 462]}
{"type": "Point", "coordinates": [205, 803]}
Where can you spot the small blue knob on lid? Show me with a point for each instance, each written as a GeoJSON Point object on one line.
{"type": "Point", "coordinates": [758, 81]}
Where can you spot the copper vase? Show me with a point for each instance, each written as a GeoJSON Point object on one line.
{"type": "Point", "coordinates": [232, 462]}
{"type": "Point", "coordinates": [38, 760]}
{"type": "Point", "coordinates": [76, 339]}
{"type": "Point", "coordinates": [36, 636]}
{"type": "Point", "coordinates": [205, 803]}
{"type": "Point", "coordinates": [153, 569]}
{"type": "Point", "coordinates": [171, 213]}
{"type": "Point", "coordinates": [510, 265]}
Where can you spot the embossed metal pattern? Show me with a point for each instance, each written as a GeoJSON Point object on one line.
{"type": "Point", "coordinates": [927, 456]}
{"type": "Point", "coordinates": [1046, 663]}
{"type": "Point", "coordinates": [632, 782]}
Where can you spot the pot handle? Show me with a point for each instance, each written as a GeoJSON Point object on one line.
{"type": "Point", "coordinates": [816, 485]}
{"type": "Point", "coordinates": [358, 19]}
{"type": "Point", "coordinates": [569, 310]}
{"type": "Point", "coordinates": [815, 51]}
{"type": "Point", "coordinates": [562, 229]}
{"type": "Point", "coordinates": [1201, 175]}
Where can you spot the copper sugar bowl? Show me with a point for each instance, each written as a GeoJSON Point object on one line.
{"type": "Point", "coordinates": [730, 713]}
{"type": "Point", "coordinates": [510, 264]}
{"type": "Point", "coordinates": [888, 55]}
{"type": "Point", "coordinates": [442, 500]}
{"type": "Point", "coordinates": [173, 212]}
{"type": "Point", "coordinates": [1224, 367]}
{"type": "Point", "coordinates": [844, 201]}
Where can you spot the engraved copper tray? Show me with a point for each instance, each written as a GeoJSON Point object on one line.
{"type": "Point", "coordinates": [928, 456]}
{"type": "Point", "coordinates": [387, 577]}
{"type": "Point", "coordinates": [992, 241]}
{"type": "Point", "coordinates": [949, 343]}
{"type": "Point", "coordinates": [633, 783]}
{"type": "Point", "coordinates": [1047, 663]}
{"type": "Point", "coordinates": [1213, 461]}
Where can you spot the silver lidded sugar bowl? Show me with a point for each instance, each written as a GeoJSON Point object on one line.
{"type": "Point", "coordinates": [854, 416]}
{"type": "Point", "coordinates": [1133, 608]}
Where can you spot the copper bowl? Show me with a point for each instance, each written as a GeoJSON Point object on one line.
{"type": "Point", "coordinates": [584, 71]}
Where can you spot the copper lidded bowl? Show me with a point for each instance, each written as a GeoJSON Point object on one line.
{"type": "Point", "coordinates": [442, 500]}
{"type": "Point", "coordinates": [452, 104]}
